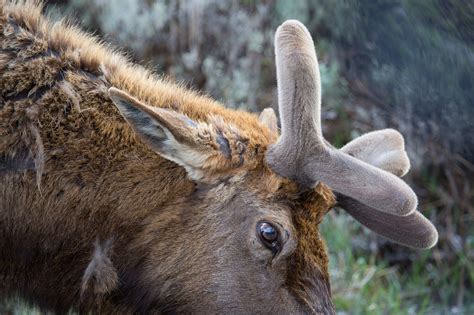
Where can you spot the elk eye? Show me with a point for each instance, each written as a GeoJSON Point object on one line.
{"type": "Point", "coordinates": [268, 235]}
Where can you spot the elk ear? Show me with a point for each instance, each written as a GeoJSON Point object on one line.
{"type": "Point", "coordinates": [171, 134]}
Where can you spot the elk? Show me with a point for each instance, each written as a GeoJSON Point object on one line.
{"type": "Point", "coordinates": [122, 192]}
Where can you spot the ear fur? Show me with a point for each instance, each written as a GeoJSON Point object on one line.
{"type": "Point", "coordinates": [152, 124]}
{"type": "Point", "coordinates": [171, 134]}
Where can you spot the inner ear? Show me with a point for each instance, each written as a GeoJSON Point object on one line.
{"type": "Point", "coordinates": [178, 138]}
{"type": "Point", "coordinates": [172, 135]}
{"type": "Point", "coordinates": [143, 123]}
{"type": "Point", "coordinates": [154, 125]}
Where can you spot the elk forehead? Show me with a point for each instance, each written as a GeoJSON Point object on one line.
{"type": "Point", "coordinates": [307, 275]}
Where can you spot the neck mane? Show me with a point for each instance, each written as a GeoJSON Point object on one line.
{"type": "Point", "coordinates": [88, 53]}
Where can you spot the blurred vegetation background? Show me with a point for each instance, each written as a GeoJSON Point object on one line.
{"type": "Point", "coordinates": [403, 64]}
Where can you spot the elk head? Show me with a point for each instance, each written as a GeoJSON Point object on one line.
{"type": "Point", "coordinates": [246, 239]}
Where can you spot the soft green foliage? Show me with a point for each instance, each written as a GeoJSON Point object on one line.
{"type": "Point", "coordinates": [416, 58]}
{"type": "Point", "coordinates": [363, 283]}
{"type": "Point", "coordinates": [170, 35]}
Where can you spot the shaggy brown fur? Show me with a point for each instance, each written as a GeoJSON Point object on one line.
{"type": "Point", "coordinates": [73, 175]}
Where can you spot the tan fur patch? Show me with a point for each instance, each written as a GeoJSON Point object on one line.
{"type": "Point", "coordinates": [310, 256]}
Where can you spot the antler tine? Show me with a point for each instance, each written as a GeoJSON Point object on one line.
{"type": "Point", "coordinates": [299, 97]}
{"type": "Point", "coordinates": [297, 64]}
{"type": "Point", "coordinates": [386, 150]}
{"type": "Point", "coordinates": [301, 152]}
{"type": "Point", "coordinates": [412, 230]}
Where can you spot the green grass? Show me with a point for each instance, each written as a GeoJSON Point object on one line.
{"type": "Point", "coordinates": [365, 284]}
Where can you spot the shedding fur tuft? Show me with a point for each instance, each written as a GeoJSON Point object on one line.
{"type": "Point", "coordinates": [38, 154]}
{"type": "Point", "coordinates": [68, 89]}
{"type": "Point", "coordinates": [100, 276]}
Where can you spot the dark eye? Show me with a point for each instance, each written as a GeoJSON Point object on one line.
{"type": "Point", "coordinates": [269, 236]}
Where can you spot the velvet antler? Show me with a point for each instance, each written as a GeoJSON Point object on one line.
{"type": "Point", "coordinates": [302, 153]}
{"type": "Point", "coordinates": [386, 150]}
